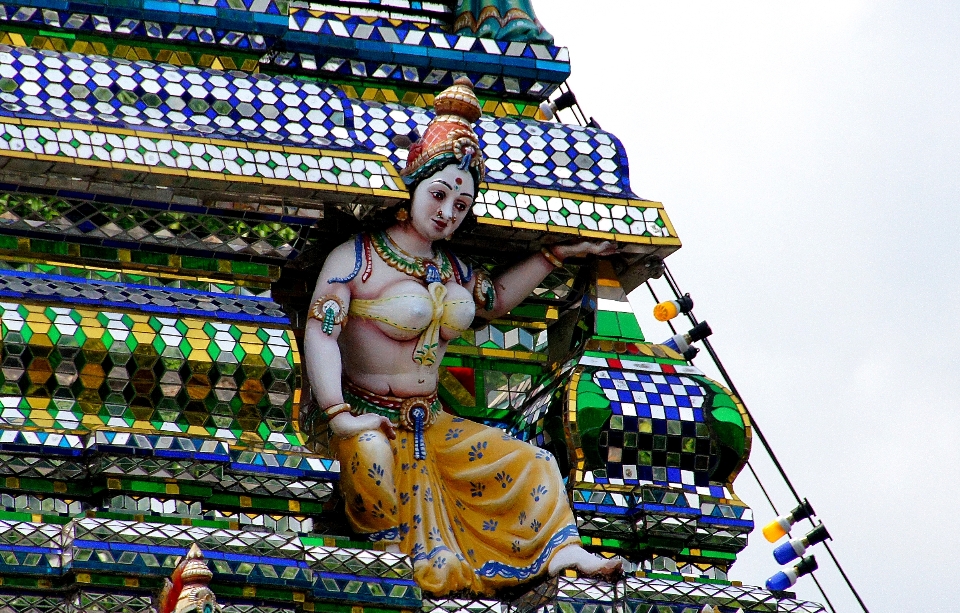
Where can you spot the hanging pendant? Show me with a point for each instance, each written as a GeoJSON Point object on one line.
{"type": "Point", "coordinates": [416, 415]}
{"type": "Point", "coordinates": [419, 447]}
{"type": "Point", "coordinates": [433, 274]}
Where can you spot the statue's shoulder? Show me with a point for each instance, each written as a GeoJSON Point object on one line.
{"type": "Point", "coordinates": [355, 251]}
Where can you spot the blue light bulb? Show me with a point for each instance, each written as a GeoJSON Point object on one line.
{"type": "Point", "coordinates": [791, 550]}
{"type": "Point", "coordinates": [786, 578]}
{"type": "Point", "coordinates": [781, 581]}
{"type": "Point", "coordinates": [787, 552]}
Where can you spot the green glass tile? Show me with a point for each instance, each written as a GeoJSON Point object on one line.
{"type": "Point", "coordinates": [251, 268]}
{"type": "Point", "coordinates": [98, 253]}
{"type": "Point", "coordinates": [629, 328]}
{"type": "Point", "coordinates": [150, 258]}
{"type": "Point", "coordinates": [197, 263]}
{"type": "Point", "coordinates": [607, 324]}
{"type": "Point", "coordinates": [533, 311]}
{"type": "Point", "coordinates": [722, 555]}
{"type": "Point", "coordinates": [50, 247]}
{"type": "Point", "coordinates": [593, 411]}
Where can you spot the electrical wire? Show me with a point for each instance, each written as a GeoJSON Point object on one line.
{"type": "Point", "coordinates": [582, 118]}
{"type": "Point", "coordinates": [756, 478]}
{"type": "Point", "coordinates": [763, 440]}
{"type": "Point", "coordinates": [752, 471]}
{"type": "Point", "coordinates": [582, 121]}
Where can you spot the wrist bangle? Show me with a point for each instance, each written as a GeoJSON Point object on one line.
{"type": "Point", "coordinates": [552, 258]}
{"type": "Point", "coordinates": [334, 410]}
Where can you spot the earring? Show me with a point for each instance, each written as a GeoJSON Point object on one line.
{"type": "Point", "coordinates": [402, 214]}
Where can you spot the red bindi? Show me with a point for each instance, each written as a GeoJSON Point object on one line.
{"type": "Point", "coordinates": [459, 181]}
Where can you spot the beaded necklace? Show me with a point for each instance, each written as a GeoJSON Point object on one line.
{"type": "Point", "coordinates": [436, 270]}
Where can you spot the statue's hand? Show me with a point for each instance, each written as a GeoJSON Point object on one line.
{"type": "Point", "coordinates": [583, 248]}
{"type": "Point", "coordinates": [346, 425]}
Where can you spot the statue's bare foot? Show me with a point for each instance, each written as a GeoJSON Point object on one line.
{"type": "Point", "coordinates": [585, 563]}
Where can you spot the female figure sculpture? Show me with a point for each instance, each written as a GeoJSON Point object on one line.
{"type": "Point", "coordinates": [476, 509]}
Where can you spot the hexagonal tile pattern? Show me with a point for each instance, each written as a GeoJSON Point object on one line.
{"type": "Point", "coordinates": [179, 100]}
{"type": "Point", "coordinates": [102, 368]}
{"type": "Point", "coordinates": [522, 152]}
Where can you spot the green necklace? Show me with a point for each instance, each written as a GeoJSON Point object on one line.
{"type": "Point", "coordinates": [437, 270]}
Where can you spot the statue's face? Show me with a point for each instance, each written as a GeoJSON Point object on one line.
{"type": "Point", "coordinates": [441, 202]}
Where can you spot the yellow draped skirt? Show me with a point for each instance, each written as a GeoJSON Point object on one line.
{"type": "Point", "coordinates": [483, 510]}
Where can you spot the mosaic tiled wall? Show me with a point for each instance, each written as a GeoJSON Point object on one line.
{"type": "Point", "coordinates": [419, 53]}
{"type": "Point", "coordinates": [643, 596]}
{"type": "Point", "coordinates": [183, 100]}
{"type": "Point", "coordinates": [179, 228]}
{"type": "Point", "coordinates": [390, 46]}
{"type": "Point", "coordinates": [83, 368]}
{"type": "Point", "coordinates": [653, 457]}
{"type": "Point", "coordinates": [256, 109]}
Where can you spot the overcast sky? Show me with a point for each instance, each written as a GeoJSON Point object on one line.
{"type": "Point", "coordinates": [808, 154]}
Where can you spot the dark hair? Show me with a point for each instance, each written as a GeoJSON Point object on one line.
{"type": "Point", "coordinates": [435, 165]}
{"type": "Point", "coordinates": [432, 167]}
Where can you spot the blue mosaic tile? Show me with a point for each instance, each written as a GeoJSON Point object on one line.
{"type": "Point", "coordinates": [173, 100]}
{"type": "Point", "coordinates": [664, 414]}
{"type": "Point", "coordinates": [145, 298]}
{"type": "Point", "coordinates": [521, 152]}
{"type": "Point", "coordinates": [238, 29]}
{"type": "Point", "coordinates": [379, 49]}
{"type": "Point", "coordinates": [169, 99]}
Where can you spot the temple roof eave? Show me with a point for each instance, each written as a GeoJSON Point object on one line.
{"type": "Point", "coordinates": [213, 135]}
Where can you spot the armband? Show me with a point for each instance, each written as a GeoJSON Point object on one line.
{"type": "Point", "coordinates": [552, 257]}
{"type": "Point", "coordinates": [329, 311]}
{"type": "Point", "coordinates": [484, 291]}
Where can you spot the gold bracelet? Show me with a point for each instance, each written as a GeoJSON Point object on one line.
{"type": "Point", "coordinates": [334, 410]}
{"type": "Point", "coordinates": [552, 258]}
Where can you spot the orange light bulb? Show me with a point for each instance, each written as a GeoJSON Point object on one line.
{"type": "Point", "coordinates": [665, 311]}
{"type": "Point", "coordinates": [776, 530]}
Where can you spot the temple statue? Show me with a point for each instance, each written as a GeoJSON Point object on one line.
{"type": "Point", "coordinates": [187, 590]}
{"type": "Point", "coordinates": [475, 508]}
{"type": "Point", "coordinates": [513, 20]}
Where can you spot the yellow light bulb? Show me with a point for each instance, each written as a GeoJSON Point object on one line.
{"type": "Point", "coordinates": [665, 311]}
